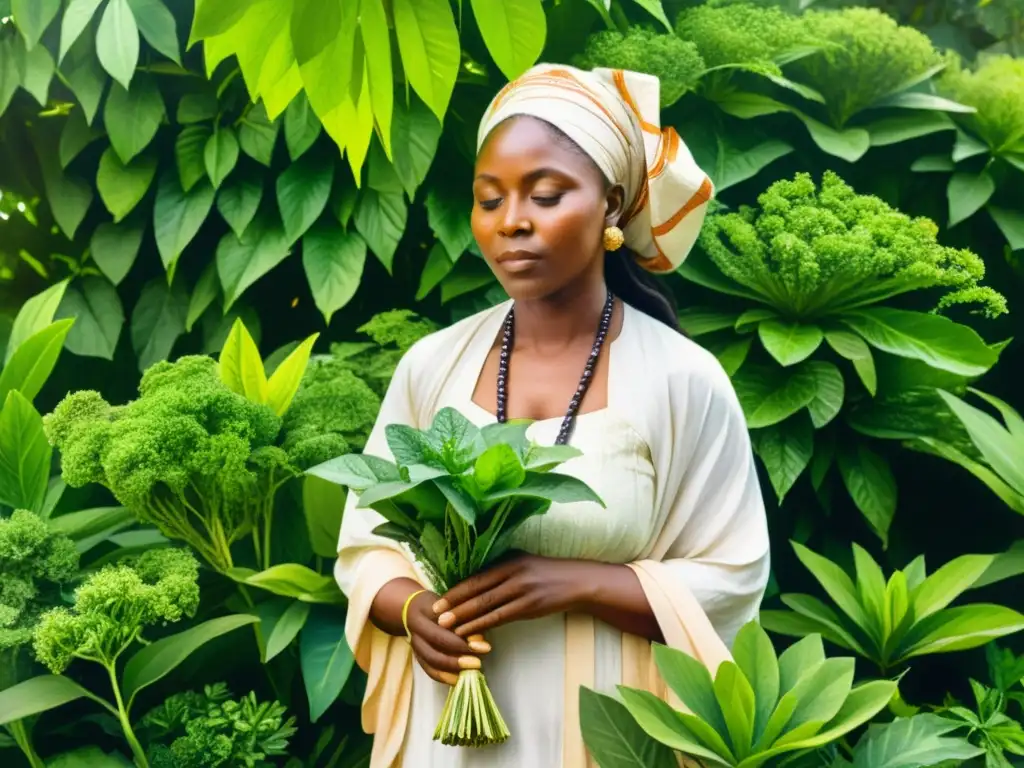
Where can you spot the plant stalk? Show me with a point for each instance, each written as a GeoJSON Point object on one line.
{"type": "Point", "coordinates": [122, 715]}
{"type": "Point", "coordinates": [470, 717]}
{"type": "Point", "coordinates": [24, 741]}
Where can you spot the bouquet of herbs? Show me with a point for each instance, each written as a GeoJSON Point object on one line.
{"type": "Point", "coordinates": [455, 495]}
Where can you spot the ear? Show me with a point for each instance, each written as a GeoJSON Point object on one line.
{"type": "Point", "coordinates": [615, 201]}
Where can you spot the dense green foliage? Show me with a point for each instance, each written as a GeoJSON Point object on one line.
{"type": "Point", "coordinates": [260, 205]}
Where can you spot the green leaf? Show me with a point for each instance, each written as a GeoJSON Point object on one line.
{"type": "Point", "coordinates": [333, 260]}
{"type": "Point", "coordinates": [85, 76]}
{"type": "Point", "coordinates": [498, 467]}
{"type": "Point", "coordinates": [699, 321]}
{"type": "Point", "coordinates": [836, 583]}
{"type": "Point", "coordinates": [157, 321]}
{"type": "Point", "coordinates": [910, 742]}
{"type": "Point", "coordinates": [33, 361]}
{"type": "Point", "coordinates": [930, 163]}
{"type": "Point", "coordinates": [871, 485]}
{"type": "Point", "coordinates": [429, 44]}
{"type": "Point", "coordinates": [548, 486]}
{"type": "Point", "coordinates": [738, 166]}
{"type": "Point", "coordinates": [896, 130]}
{"type": "Point", "coordinates": [258, 135]}
{"type": "Point", "coordinates": [220, 155]}
{"type": "Point", "coordinates": [178, 216]}
{"type": "Point", "coordinates": [755, 656]}
{"type": "Point", "coordinates": [656, 10]}
{"type": "Point", "coordinates": [828, 399]}
{"type": "Point", "coordinates": [786, 450]}
{"type": "Point", "coordinates": [88, 757]}
{"type": "Point", "coordinates": [967, 194]}
{"type": "Point", "coordinates": [854, 349]}
{"type": "Point", "coordinates": [157, 26]}
{"type": "Point", "coordinates": [38, 694]}
{"type": "Point", "coordinates": [957, 629]}
{"type": "Point", "coordinates": [197, 108]}
{"type": "Point", "coordinates": [415, 134]}
{"type": "Point", "coordinates": [160, 658]}
{"type": "Point", "coordinates": [435, 270]}
{"type": "Point", "coordinates": [850, 144]}
{"type": "Point", "coordinates": [325, 658]}
{"type": "Point", "coordinates": [380, 218]}
{"type": "Point", "coordinates": [98, 317]}
{"type": "Point", "coordinates": [323, 503]}
{"type": "Point", "coordinates": [243, 261]}
{"type": "Point", "coordinates": [769, 396]}
{"type": "Point", "coordinates": [789, 343]}
{"type": "Point", "coordinates": [945, 585]}
{"type": "Point", "coordinates": [69, 196]}
{"type": "Point", "coordinates": [295, 581]}
{"type": "Point", "coordinates": [240, 198]}
{"type": "Point", "coordinates": [206, 290]}
{"type": "Point", "coordinates": [376, 38]}
{"type": "Point", "coordinates": [514, 32]}
{"type": "Point", "coordinates": [133, 117]}
{"type": "Point", "coordinates": [188, 153]}
{"type": "Point", "coordinates": [32, 17]}
{"type": "Point", "coordinates": [121, 186]}
{"type": "Point", "coordinates": [614, 738]}
{"type": "Point", "coordinates": [213, 17]}
{"type": "Point", "coordinates": [302, 127]}
{"type": "Point", "coordinates": [448, 216]}
{"type": "Point", "coordinates": [356, 471]}
{"type": "Point", "coordinates": [36, 72]}
{"type": "Point", "coordinates": [820, 694]}
{"type": "Point", "coordinates": [281, 620]}
{"type": "Point", "coordinates": [798, 661]}
{"type": "Point", "coordinates": [1001, 448]}
{"type": "Point", "coordinates": [117, 45]}
{"type": "Point", "coordinates": [241, 367]}
{"type": "Point", "coordinates": [286, 379]}
{"type": "Point", "coordinates": [24, 454]}
{"type": "Point", "coordinates": [10, 77]}
{"type": "Point", "coordinates": [736, 698]}
{"type": "Point", "coordinates": [691, 681]}
{"type": "Point", "coordinates": [933, 339]}
{"type": "Point", "coordinates": [87, 523]}
{"type": "Point", "coordinates": [924, 101]}
{"type": "Point", "coordinates": [75, 136]}
{"type": "Point", "coordinates": [871, 587]}
{"type": "Point", "coordinates": [1011, 224]}
{"type": "Point", "coordinates": [302, 194]}
{"type": "Point", "coordinates": [34, 316]}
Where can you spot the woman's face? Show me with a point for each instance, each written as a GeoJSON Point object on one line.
{"type": "Point", "coordinates": [540, 209]}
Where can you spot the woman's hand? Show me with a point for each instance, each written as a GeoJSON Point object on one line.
{"type": "Point", "coordinates": [440, 652]}
{"type": "Point", "coordinates": [524, 587]}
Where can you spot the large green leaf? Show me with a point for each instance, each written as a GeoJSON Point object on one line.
{"type": "Point", "coordinates": [178, 216]}
{"type": "Point", "coordinates": [160, 658]}
{"type": "Point", "coordinates": [322, 504]}
{"type": "Point", "coordinates": [967, 194]}
{"type": "Point", "coordinates": [736, 698]}
{"type": "Point", "coordinates": [158, 319]}
{"type": "Point", "coordinates": [1002, 450]}
{"type": "Point", "coordinates": [241, 262]}
{"type": "Point", "coordinates": [691, 681]}
{"type": "Point", "coordinates": [514, 32]}
{"type": "Point", "coordinates": [850, 144]}
{"type": "Point", "coordinates": [35, 315]}
{"type": "Point", "coordinates": [36, 71]}
{"type": "Point", "coordinates": [1011, 224]}
{"type": "Point", "coordinates": [69, 196]}
{"type": "Point", "coordinates": [855, 349]}
{"type": "Point", "coordinates": [829, 393]}
{"type": "Point", "coordinates": [548, 486]}
{"type": "Point", "coordinates": [281, 619]}
{"type": "Point", "coordinates": [133, 117]}
{"type": "Point", "coordinates": [654, 7]}
{"type": "Point", "coordinates": [220, 155]}
{"type": "Point", "coordinates": [945, 585]}
{"type": "Point", "coordinates": [680, 732]}
{"type": "Point", "coordinates": [895, 130]}
{"type": "Point", "coordinates": [957, 629]}
{"type": "Point", "coordinates": [334, 261]}
{"type": "Point", "coordinates": [189, 150]}
{"type": "Point", "coordinates": [376, 39]}
{"type": "Point", "coordinates": [240, 365]}
{"type": "Point", "coordinates": [301, 126]}
{"type": "Point", "coordinates": [34, 360]}
{"type": "Point", "coordinates": [380, 219]}
{"type": "Point", "coordinates": [415, 134]}
{"type": "Point", "coordinates": [769, 395]}
{"type": "Point", "coordinates": [786, 450]}
{"type": "Point", "coordinates": [39, 694]}
{"type": "Point", "coordinates": [89, 757]}
{"type": "Point", "coordinates": [88, 523]}
{"type": "Point", "coordinates": [790, 343]}
{"type": "Point", "coordinates": [755, 656]}
{"type": "Point", "coordinates": [203, 295]}
{"type": "Point", "coordinates": [10, 77]}
{"type": "Point", "coordinates": [85, 76]}
{"type": "Point", "coordinates": [117, 44]}
{"type": "Point", "coordinates": [121, 186]}
{"type": "Point", "coordinates": [436, 268]}
{"type": "Point", "coordinates": [448, 216]}
{"type": "Point", "coordinates": [287, 376]}
{"type": "Point", "coordinates": [240, 198]}
{"type": "Point", "coordinates": [258, 135]}
{"type": "Point", "coordinates": [325, 658]}
{"type": "Point", "coordinates": [292, 580]}
{"type": "Point", "coordinates": [302, 194]}
{"type": "Point", "coordinates": [933, 339]}
{"type": "Point", "coordinates": [429, 44]}
{"type": "Point", "coordinates": [911, 742]}
{"type": "Point", "coordinates": [158, 27]}
{"type": "Point", "coordinates": [33, 17]}
{"type": "Point", "coordinates": [835, 581]}
{"type": "Point", "coordinates": [213, 17]}
{"type": "Point", "coordinates": [871, 485]}
{"type": "Point", "coordinates": [98, 316]}
{"type": "Point", "coordinates": [24, 454]}
{"type": "Point", "coordinates": [825, 621]}
{"type": "Point", "coordinates": [75, 137]}
{"type": "Point", "coordinates": [613, 737]}
{"type": "Point", "coordinates": [114, 247]}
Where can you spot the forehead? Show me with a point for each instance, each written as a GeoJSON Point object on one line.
{"type": "Point", "coordinates": [522, 143]}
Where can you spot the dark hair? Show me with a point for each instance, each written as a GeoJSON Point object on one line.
{"type": "Point", "coordinates": [639, 288]}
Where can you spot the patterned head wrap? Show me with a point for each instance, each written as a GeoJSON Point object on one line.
{"type": "Point", "coordinates": [614, 116]}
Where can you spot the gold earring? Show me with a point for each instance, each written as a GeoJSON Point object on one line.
{"type": "Point", "coordinates": [613, 239]}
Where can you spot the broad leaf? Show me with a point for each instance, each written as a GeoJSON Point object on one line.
{"type": "Point", "coordinates": [691, 681]}
{"type": "Point", "coordinates": [220, 155]}
{"type": "Point", "coordinates": [945, 585]}
{"type": "Point", "coordinates": [1001, 449]}
{"type": "Point", "coordinates": [24, 455]}
{"type": "Point", "coordinates": [301, 126]}
{"type": "Point", "coordinates": [769, 396]}
{"type": "Point", "coordinates": [285, 381]}
{"type": "Point", "coordinates": [160, 658]}
{"type": "Point", "coordinates": [241, 367]}
{"type": "Point", "coordinates": [258, 135]}
{"type": "Point", "coordinates": [429, 44]}
{"type": "Point", "coordinates": [121, 186]}
{"type": "Point", "coordinates": [967, 194]}
{"type": "Point", "coordinates": [240, 198]}
{"type": "Point", "coordinates": [75, 136]}
{"type": "Point", "coordinates": [786, 450]}
{"type": "Point", "coordinates": [895, 130]}
{"type": "Point", "coordinates": [910, 742]}
{"type": "Point", "coordinates": [854, 349]}
{"type": "Point", "coordinates": [157, 321]}
{"type": "Point", "coordinates": [850, 144]}
{"type": "Point", "coordinates": [98, 318]}
{"type": "Point", "coordinates": [957, 629]}
{"type": "Point", "coordinates": [1011, 224]}
{"type": "Point", "coordinates": [755, 656]}
{"type": "Point", "coordinates": [33, 361]}
{"type": "Point", "coordinates": [414, 135]}
{"type": "Point", "coordinates": [356, 471]}
{"type": "Point", "coordinates": [33, 17]}
{"type": "Point", "coordinates": [241, 262]}
{"type": "Point", "coordinates": [549, 486]}
{"type": "Point", "coordinates": [114, 248]}
{"type": "Point", "coordinates": [871, 485]}
{"type": "Point", "coordinates": [789, 343]}
{"type": "Point", "coordinates": [281, 620]}
{"type": "Point", "coordinates": [133, 117]}
{"type": "Point", "coordinates": [189, 150]}
{"type": "Point", "coordinates": [117, 45]}
{"type": "Point", "coordinates": [614, 738]}
{"type": "Point", "coordinates": [325, 658]}
{"type": "Point", "coordinates": [698, 322]}
{"type": "Point", "coordinates": [205, 293]}
{"type": "Point", "coordinates": [736, 698]}
{"type": "Point", "coordinates": [333, 260]}
{"type": "Point", "coordinates": [178, 216]}
{"type": "Point", "coordinates": [292, 580]}
{"type": "Point", "coordinates": [935, 340]}
{"type": "Point", "coordinates": [654, 7]}
{"type": "Point", "coordinates": [213, 17]}
{"type": "Point", "coordinates": [197, 108]}
{"type": "Point", "coordinates": [514, 32]}
{"type": "Point", "coordinates": [158, 27]}
{"type": "Point", "coordinates": [448, 216]}
{"type": "Point", "coordinates": [835, 581]}
{"type": "Point", "coordinates": [829, 393]}
{"type": "Point", "coordinates": [302, 194]}
{"type": "Point", "coordinates": [69, 196]}
{"type": "Point", "coordinates": [89, 757]}
{"type": "Point", "coordinates": [376, 39]}
{"type": "Point", "coordinates": [85, 76]}
{"type": "Point", "coordinates": [88, 523]}
{"type": "Point", "coordinates": [380, 219]}
{"type": "Point", "coordinates": [38, 694]}
{"type": "Point", "coordinates": [35, 315]}
{"type": "Point", "coordinates": [323, 503]}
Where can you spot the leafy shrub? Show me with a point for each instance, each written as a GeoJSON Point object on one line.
{"type": "Point", "coordinates": [996, 90]}
{"type": "Point", "coordinates": [741, 33]}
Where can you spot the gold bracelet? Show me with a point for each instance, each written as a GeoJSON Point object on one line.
{"type": "Point", "coordinates": [405, 611]}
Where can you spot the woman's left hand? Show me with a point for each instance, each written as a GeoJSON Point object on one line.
{"type": "Point", "coordinates": [523, 587]}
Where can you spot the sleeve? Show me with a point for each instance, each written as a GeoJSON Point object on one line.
{"type": "Point", "coordinates": [708, 568]}
{"type": "Point", "coordinates": [366, 562]}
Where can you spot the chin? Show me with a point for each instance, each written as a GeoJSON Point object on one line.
{"type": "Point", "coordinates": [527, 288]}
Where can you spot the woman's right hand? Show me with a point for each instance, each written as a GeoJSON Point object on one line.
{"type": "Point", "coordinates": [441, 652]}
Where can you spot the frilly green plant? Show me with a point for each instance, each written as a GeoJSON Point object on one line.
{"type": "Point", "coordinates": [892, 621]}
{"type": "Point", "coordinates": [810, 272]}
{"type": "Point", "coordinates": [757, 708]}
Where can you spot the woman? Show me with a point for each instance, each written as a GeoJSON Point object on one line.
{"type": "Point", "coordinates": [590, 351]}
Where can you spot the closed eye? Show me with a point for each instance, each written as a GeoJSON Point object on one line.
{"type": "Point", "coordinates": [546, 200]}
{"type": "Point", "coordinates": [490, 205]}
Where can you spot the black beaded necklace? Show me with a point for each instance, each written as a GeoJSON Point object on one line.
{"type": "Point", "coordinates": [507, 335]}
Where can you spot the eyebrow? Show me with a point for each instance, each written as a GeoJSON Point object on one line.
{"type": "Point", "coordinates": [534, 175]}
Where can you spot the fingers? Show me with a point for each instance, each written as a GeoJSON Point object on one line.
{"type": "Point", "coordinates": [472, 587]}
{"type": "Point", "coordinates": [477, 606]}
{"type": "Point", "coordinates": [516, 610]}
{"type": "Point", "coordinates": [447, 678]}
{"type": "Point", "coordinates": [425, 626]}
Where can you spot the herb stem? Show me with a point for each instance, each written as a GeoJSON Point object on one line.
{"type": "Point", "coordinates": [122, 716]}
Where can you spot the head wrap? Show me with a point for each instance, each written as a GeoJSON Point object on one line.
{"type": "Point", "coordinates": [614, 116]}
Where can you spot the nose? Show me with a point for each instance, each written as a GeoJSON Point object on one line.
{"type": "Point", "coordinates": [514, 223]}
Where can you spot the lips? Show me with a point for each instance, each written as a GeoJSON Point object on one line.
{"type": "Point", "coordinates": [518, 261]}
